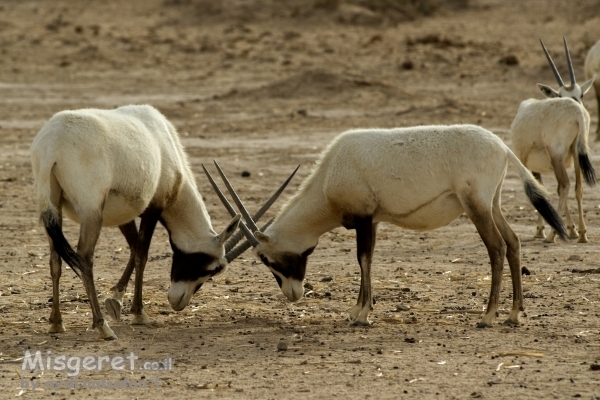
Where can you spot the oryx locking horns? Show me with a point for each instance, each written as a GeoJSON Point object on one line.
{"type": "Point", "coordinates": [418, 178]}
{"type": "Point", "coordinates": [107, 167]}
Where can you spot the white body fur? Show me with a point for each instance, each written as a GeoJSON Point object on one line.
{"type": "Point", "coordinates": [118, 161]}
{"type": "Point", "coordinates": [418, 178]}
{"type": "Point", "coordinates": [548, 136]}
{"type": "Point", "coordinates": [592, 68]}
{"type": "Point", "coordinates": [105, 168]}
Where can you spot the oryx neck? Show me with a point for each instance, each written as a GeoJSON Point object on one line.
{"type": "Point", "coordinates": [306, 216]}
{"type": "Point", "coordinates": [187, 220]}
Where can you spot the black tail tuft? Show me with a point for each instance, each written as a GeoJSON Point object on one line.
{"type": "Point", "coordinates": [543, 206]}
{"type": "Point", "coordinates": [587, 169]}
{"type": "Point", "coordinates": [61, 246]}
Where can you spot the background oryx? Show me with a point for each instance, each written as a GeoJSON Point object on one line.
{"type": "Point", "coordinates": [592, 68]}
{"type": "Point", "coordinates": [550, 135]}
{"type": "Point", "coordinates": [418, 178]}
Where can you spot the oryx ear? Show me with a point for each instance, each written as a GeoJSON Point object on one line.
{"type": "Point", "coordinates": [262, 238]}
{"type": "Point", "coordinates": [548, 91]}
{"type": "Point", "coordinates": [587, 85]}
{"type": "Point", "coordinates": [229, 230]}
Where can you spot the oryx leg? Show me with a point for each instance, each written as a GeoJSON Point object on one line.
{"type": "Point", "coordinates": [114, 304]}
{"type": "Point", "coordinates": [88, 237]}
{"type": "Point", "coordinates": [539, 233]}
{"type": "Point", "coordinates": [366, 233]}
{"type": "Point", "coordinates": [56, 323]}
{"type": "Point", "coordinates": [579, 196]}
{"type": "Point", "coordinates": [354, 312]}
{"type": "Point", "coordinates": [148, 222]}
{"type": "Point", "coordinates": [560, 171]}
{"type": "Point", "coordinates": [513, 255]}
{"type": "Point", "coordinates": [479, 211]}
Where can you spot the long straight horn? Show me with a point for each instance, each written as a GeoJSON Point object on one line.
{"type": "Point", "coordinates": [240, 234]}
{"type": "Point", "coordinates": [237, 200]}
{"type": "Point", "coordinates": [569, 63]}
{"type": "Point", "coordinates": [231, 210]}
{"type": "Point", "coordinates": [274, 197]}
{"type": "Point", "coordinates": [554, 70]}
{"type": "Point", "coordinates": [236, 252]}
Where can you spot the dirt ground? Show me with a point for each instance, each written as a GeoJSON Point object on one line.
{"type": "Point", "coordinates": [262, 86]}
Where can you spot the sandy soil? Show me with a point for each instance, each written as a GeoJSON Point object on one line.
{"type": "Point", "coordinates": [262, 86]}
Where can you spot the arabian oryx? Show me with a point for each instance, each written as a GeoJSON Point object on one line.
{"type": "Point", "coordinates": [592, 67]}
{"type": "Point", "coordinates": [105, 168]}
{"type": "Point", "coordinates": [550, 135]}
{"type": "Point", "coordinates": [418, 178]}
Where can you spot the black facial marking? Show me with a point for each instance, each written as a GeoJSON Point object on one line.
{"type": "Point", "coordinates": [189, 266]}
{"type": "Point", "coordinates": [197, 287]}
{"type": "Point", "coordinates": [265, 260]}
{"type": "Point", "coordinates": [278, 279]}
{"type": "Point", "coordinates": [192, 266]}
{"type": "Point", "coordinates": [291, 265]}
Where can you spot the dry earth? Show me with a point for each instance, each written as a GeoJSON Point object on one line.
{"type": "Point", "coordinates": [262, 86]}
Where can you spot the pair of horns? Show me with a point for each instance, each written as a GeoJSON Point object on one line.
{"type": "Point", "coordinates": [569, 64]}
{"type": "Point", "coordinates": [246, 229]}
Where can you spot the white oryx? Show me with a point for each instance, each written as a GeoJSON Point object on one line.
{"type": "Point", "coordinates": [592, 68]}
{"type": "Point", "coordinates": [418, 178]}
{"type": "Point", "coordinates": [105, 168]}
{"type": "Point", "coordinates": [550, 135]}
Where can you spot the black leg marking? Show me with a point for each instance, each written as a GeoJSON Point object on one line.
{"type": "Point", "coordinates": [114, 304]}
{"type": "Point", "coordinates": [56, 323]}
{"type": "Point", "coordinates": [129, 230]}
{"type": "Point", "coordinates": [148, 223]}
{"type": "Point", "coordinates": [365, 244]}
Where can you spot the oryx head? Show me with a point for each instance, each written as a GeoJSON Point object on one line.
{"type": "Point", "coordinates": [189, 270]}
{"type": "Point", "coordinates": [573, 90]}
{"type": "Point", "coordinates": [288, 267]}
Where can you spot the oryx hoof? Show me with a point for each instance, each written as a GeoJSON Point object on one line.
{"type": "Point", "coordinates": [482, 325]}
{"type": "Point", "coordinates": [582, 238]}
{"type": "Point", "coordinates": [56, 328]}
{"type": "Point", "coordinates": [358, 322]}
{"type": "Point", "coordinates": [573, 233]}
{"type": "Point", "coordinates": [509, 322]}
{"type": "Point", "coordinates": [106, 333]}
{"type": "Point", "coordinates": [113, 308]}
{"type": "Point", "coordinates": [539, 235]}
{"type": "Point", "coordinates": [354, 312]}
{"type": "Point", "coordinates": [140, 319]}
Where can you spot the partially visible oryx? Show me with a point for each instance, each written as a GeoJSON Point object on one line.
{"type": "Point", "coordinates": [592, 68]}
{"type": "Point", "coordinates": [418, 178]}
{"type": "Point", "coordinates": [550, 135]}
{"type": "Point", "coordinates": [105, 168]}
